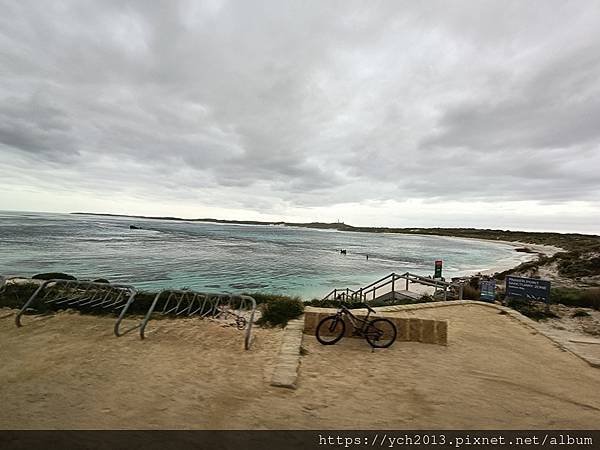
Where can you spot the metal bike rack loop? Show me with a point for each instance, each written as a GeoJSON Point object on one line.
{"type": "Point", "coordinates": [188, 303]}
{"type": "Point", "coordinates": [83, 295]}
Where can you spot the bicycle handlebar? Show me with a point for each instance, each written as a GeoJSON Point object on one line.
{"type": "Point", "coordinates": [368, 307]}
{"type": "Point", "coordinates": [342, 306]}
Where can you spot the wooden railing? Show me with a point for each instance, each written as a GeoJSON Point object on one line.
{"type": "Point", "coordinates": [369, 292]}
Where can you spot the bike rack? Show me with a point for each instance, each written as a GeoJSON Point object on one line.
{"type": "Point", "coordinates": [84, 295]}
{"type": "Point", "coordinates": [184, 302]}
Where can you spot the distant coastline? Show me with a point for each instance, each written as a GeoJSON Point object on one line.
{"type": "Point", "coordinates": [568, 259]}
{"type": "Point", "coordinates": [526, 237]}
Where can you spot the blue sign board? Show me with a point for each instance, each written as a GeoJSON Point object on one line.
{"type": "Point", "coordinates": [528, 288]}
{"type": "Point", "coordinates": [487, 290]}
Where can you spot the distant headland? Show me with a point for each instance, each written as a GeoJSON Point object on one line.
{"type": "Point", "coordinates": [562, 240]}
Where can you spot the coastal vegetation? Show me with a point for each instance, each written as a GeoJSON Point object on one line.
{"type": "Point", "coordinates": [277, 310]}
{"type": "Point", "coordinates": [586, 298]}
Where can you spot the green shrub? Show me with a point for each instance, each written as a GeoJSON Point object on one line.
{"type": "Point", "coordinates": [320, 303]}
{"type": "Point", "coordinates": [579, 266]}
{"type": "Point", "coordinates": [15, 295]}
{"type": "Point", "coordinates": [278, 310]}
{"type": "Point", "coordinates": [591, 297]}
{"type": "Point", "coordinates": [262, 297]}
{"type": "Point", "coordinates": [470, 293]}
{"type": "Point", "coordinates": [585, 298]}
{"type": "Point", "coordinates": [532, 309]}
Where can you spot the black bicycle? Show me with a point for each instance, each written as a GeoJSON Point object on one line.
{"type": "Point", "coordinates": [379, 333]}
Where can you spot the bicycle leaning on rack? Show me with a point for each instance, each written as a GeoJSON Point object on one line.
{"type": "Point", "coordinates": [379, 333]}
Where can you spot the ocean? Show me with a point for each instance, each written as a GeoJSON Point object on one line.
{"type": "Point", "coordinates": [229, 258]}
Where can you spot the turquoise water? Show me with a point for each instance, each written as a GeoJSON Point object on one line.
{"type": "Point", "coordinates": [230, 258]}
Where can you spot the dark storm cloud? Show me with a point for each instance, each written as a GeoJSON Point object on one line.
{"type": "Point", "coordinates": [305, 103]}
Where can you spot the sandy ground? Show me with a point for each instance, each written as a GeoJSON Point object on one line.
{"type": "Point", "coordinates": [68, 371]}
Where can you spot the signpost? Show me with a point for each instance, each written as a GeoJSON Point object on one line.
{"type": "Point", "coordinates": [438, 269]}
{"type": "Point", "coordinates": [528, 288]}
{"type": "Point", "coordinates": [487, 290]}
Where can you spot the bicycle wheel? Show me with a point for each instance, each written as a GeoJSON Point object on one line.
{"type": "Point", "coordinates": [330, 330]}
{"type": "Point", "coordinates": [380, 333]}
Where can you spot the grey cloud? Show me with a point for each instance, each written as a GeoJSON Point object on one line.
{"type": "Point", "coordinates": [34, 125]}
{"type": "Point", "coordinates": [558, 107]}
{"type": "Point", "coordinates": [304, 104]}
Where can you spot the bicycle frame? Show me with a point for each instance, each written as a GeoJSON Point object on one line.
{"type": "Point", "coordinates": [355, 320]}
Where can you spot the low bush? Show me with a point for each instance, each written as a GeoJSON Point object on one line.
{"type": "Point", "coordinates": [591, 297]}
{"type": "Point", "coordinates": [15, 295]}
{"type": "Point", "coordinates": [320, 303]}
{"type": "Point", "coordinates": [277, 310]}
{"type": "Point", "coordinates": [262, 297]}
{"type": "Point", "coordinates": [470, 292]}
{"type": "Point", "coordinates": [579, 266]}
{"type": "Point", "coordinates": [585, 298]}
{"type": "Point", "coordinates": [331, 303]}
{"type": "Point", "coordinates": [532, 309]}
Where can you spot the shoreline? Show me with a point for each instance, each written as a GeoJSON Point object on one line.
{"type": "Point", "coordinates": [538, 250]}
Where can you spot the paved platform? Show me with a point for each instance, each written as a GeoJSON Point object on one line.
{"type": "Point", "coordinates": [286, 366]}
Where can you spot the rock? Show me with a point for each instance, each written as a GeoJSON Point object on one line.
{"type": "Point", "coordinates": [524, 250]}
{"type": "Point", "coordinates": [53, 276]}
{"type": "Point", "coordinates": [102, 280]}
{"type": "Point", "coordinates": [134, 227]}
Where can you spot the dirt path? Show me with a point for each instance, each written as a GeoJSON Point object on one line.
{"type": "Point", "coordinates": [68, 371]}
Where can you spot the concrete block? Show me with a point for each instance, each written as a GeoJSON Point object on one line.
{"type": "Point", "coordinates": [409, 329]}
{"type": "Point", "coordinates": [428, 331]}
{"type": "Point", "coordinates": [402, 326]}
{"type": "Point", "coordinates": [441, 332]}
{"type": "Point", "coordinates": [286, 368]}
{"type": "Point", "coordinates": [320, 316]}
{"type": "Point", "coordinates": [414, 327]}
{"type": "Point", "coordinates": [311, 320]}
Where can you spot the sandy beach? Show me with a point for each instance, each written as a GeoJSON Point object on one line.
{"type": "Point", "coordinates": [68, 371]}
{"type": "Point", "coordinates": [536, 251]}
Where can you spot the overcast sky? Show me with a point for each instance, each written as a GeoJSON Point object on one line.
{"type": "Point", "coordinates": [474, 113]}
